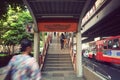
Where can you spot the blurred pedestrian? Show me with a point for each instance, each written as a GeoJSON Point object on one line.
{"type": "Point", "coordinates": [54, 34]}
{"type": "Point", "coordinates": [23, 66]}
{"type": "Point", "coordinates": [62, 37]}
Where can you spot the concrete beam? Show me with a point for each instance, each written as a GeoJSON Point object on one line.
{"type": "Point", "coordinates": [32, 14]}
{"type": "Point", "coordinates": [110, 7]}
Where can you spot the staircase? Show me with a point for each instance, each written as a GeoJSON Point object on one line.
{"type": "Point", "coordinates": [58, 65]}
{"type": "Point", "coordinates": [58, 62]}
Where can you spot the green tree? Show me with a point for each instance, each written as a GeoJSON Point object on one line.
{"type": "Point", "coordinates": [13, 28]}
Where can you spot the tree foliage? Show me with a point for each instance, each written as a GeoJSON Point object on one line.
{"type": "Point", "coordinates": [13, 28]}
{"type": "Point", "coordinates": [5, 3]}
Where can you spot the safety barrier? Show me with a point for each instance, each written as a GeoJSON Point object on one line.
{"type": "Point", "coordinates": [73, 56]}
{"type": "Point", "coordinates": [43, 54]}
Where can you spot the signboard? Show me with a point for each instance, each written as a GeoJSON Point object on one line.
{"type": "Point", "coordinates": [29, 28]}
{"type": "Point", "coordinates": [58, 26]}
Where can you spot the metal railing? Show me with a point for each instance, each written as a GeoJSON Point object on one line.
{"type": "Point", "coordinates": [43, 53]}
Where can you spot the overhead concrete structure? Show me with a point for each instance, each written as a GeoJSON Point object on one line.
{"type": "Point", "coordinates": [57, 9]}
{"type": "Point", "coordinates": [104, 22]}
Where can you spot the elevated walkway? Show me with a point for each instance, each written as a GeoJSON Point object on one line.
{"type": "Point", "coordinates": [58, 64]}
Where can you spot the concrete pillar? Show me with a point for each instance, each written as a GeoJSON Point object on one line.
{"type": "Point", "coordinates": [79, 56]}
{"type": "Point", "coordinates": [36, 46]}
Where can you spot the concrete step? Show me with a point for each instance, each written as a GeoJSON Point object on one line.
{"type": "Point", "coordinates": [58, 55]}
{"type": "Point", "coordinates": [58, 65]}
{"type": "Point", "coordinates": [57, 69]}
{"type": "Point", "coordinates": [59, 75]}
{"type": "Point", "coordinates": [58, 59]}
{"type": "Point", "coordinates": [58, 62]}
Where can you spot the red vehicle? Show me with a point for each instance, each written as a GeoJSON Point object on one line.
{"type": "Point", "coordinates": [106, 50]}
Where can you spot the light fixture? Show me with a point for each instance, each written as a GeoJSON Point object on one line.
{"type": "Point", "coordinates": [57, 16]}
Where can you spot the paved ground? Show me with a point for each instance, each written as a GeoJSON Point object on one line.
{"type": "Point", "coordinates": [3, 75]}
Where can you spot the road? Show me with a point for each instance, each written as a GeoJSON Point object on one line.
{"type": "Point", "coordinates": [107, 70]}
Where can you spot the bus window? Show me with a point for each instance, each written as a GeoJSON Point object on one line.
{"type": "Point", "coordinates": [115, 44]}
{"type": "Point", "coordinates": [105, 47]}
{"type": "Point", "coordinates": [110, 44]}
{"type": "Point", "coordinates": [105, 44]}
{"type": "Point", "coordinates": [118, 53]}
